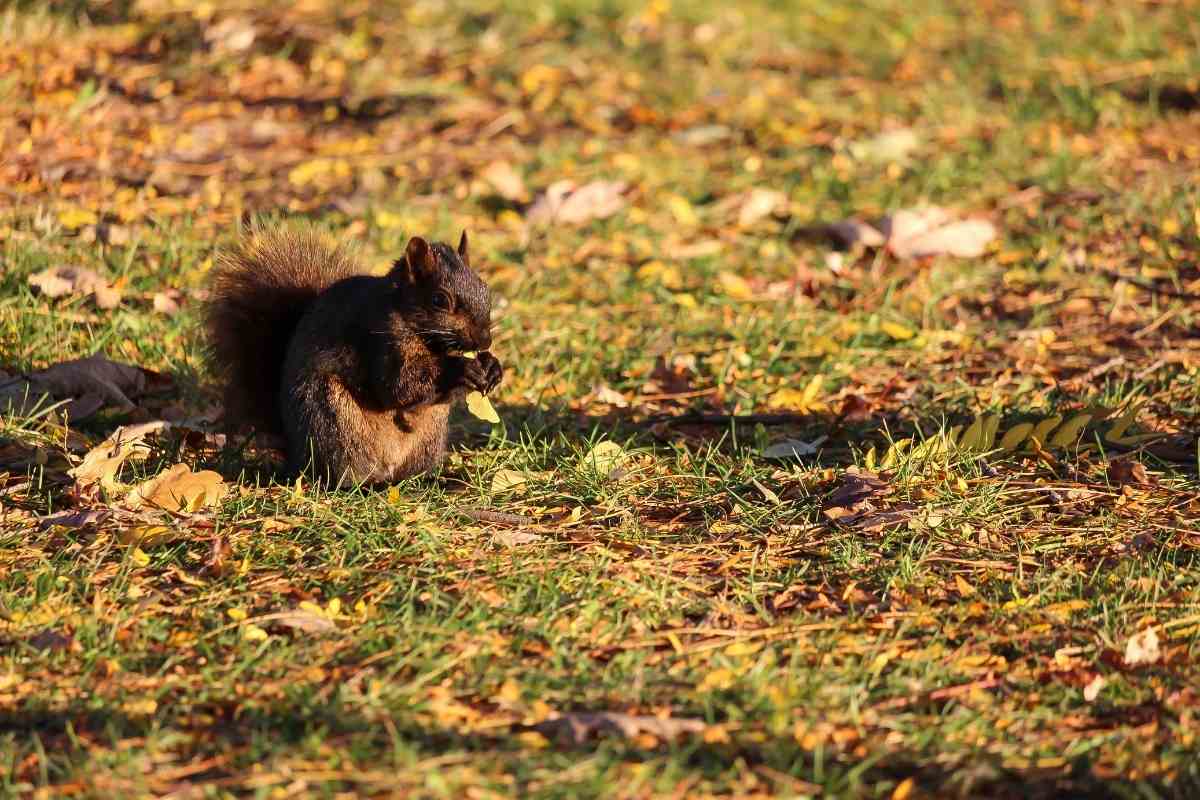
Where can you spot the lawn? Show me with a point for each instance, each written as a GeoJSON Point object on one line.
{"type": "Point", "coordinates": [769, 511]}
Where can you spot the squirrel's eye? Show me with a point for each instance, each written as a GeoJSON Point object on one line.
{"type": "Point", "coordinates": [441, 300]}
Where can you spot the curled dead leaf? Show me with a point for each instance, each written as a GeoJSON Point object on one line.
{"type": "Point", "coordinates": [101, 463]}
{"type": "Point", "coordinates": [90, 383]}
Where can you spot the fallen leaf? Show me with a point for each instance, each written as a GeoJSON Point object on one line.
{"type": "Point", "coordinates": [802, 401]}
{"type": "Point", "coordinates": [481, 407]}
{"type": "Point", "coordinates": [74, 519]}
{"type": "Point", "coordinates": [918, 233]}
{"type": "Point", "coordinates": [564, 202]}
{"type": "Point", "coordinates": [735, 286]}
{"type": "Point", "coordinates": [74, 218]}
{"type": "Point", "coordinates": [504, 480]}
{"type": "Point", "coordinates": [305, 621]}
{"type": "Point", "coordinates": [930, 232]}
{"type": "Point", "coordinates": [609, 396]}
{"type": "Point", "coordinates": [62, 281]}
{"type": "Point", "coordinates": [150, 535]}
{"type": "Point", "coordinates": [180, 489]}
{"type": "Point", "coordinates": [1142, 648]}
{"type": "Point", "coordinates": [167, 302]}
{"type": "Point", "coordinates": [253, 633]}
{"type": "Point", "coordinates": [101, 463]}
{"type": "Point", "coordinates": [794, 448]}
{"type": "Point", "coordinates": [91, 383]}
{"type": "Point", "coordinates": [507, 182]}
{"type": "Point", "coordinates": [578, 726]}
{"type": "Point", "coordinates": [515, 538]}
{"type": "Point", "coordinates": [890, 146]}
{"type": "Point", "coordinates": [758, 203]}
{"type": "Point", "coordinates": [605, 457]}
{"type": "Point", "coordinates": [1092, 690]}
{"type": "Point", "coordinates": [1126, 472]}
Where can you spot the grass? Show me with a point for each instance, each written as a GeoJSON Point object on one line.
{"type": "Point", "coordinates": [963, 634]}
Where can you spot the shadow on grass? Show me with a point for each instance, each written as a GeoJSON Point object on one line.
{"type": "Point", "coordinates": [235, 740]}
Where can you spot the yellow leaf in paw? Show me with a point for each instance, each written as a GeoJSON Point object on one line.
{"type": "Point", "coordinates": [481, 407]}
{"type": "Point", "coordinates": [471, 354]}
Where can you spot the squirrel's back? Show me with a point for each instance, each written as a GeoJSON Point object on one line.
{"type": "Point", "coordinates": [260, 289]}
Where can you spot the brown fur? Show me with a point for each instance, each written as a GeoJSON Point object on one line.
{"type": "Point", "coordinates": [357, 372]}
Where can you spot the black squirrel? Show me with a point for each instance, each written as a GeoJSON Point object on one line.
{"type": "Point", "coordinates": [356, 372]}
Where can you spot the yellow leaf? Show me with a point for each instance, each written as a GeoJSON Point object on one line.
{"type": "Point", "coordinates": [990, 426]}
{"type": "Point", "coordinates": [684, 300]}
{"type": "Point", "coordinates": [388, 219]}
{"type": "Point", "coordinates": [667, 275]}
{"type": "Point", "coordinates": [74, 218]}
{"type": "Point", "coordinates": [236, 614]}
{"type": "Point", "coordinates": [481, 407]}
{"type": "Point", "coordinates": [1043, 428]}
{"type": "Point", "coordinates": [138, 556]}
{"type": "Point", "coordinates": [904, 789]}
{"type": "Point", "coordinates": [803, 400]}
{"type": "Point", "coordinates": [962, 586]}
{"type": "Point", "coordinates": [897, 332]}
{"type": "Point", "coordinates": [971, 436]}
{"type": "Point", "coordinates": [253, 633]}
{"type": "Point", "coordinates": [1068, 433]}
{"type": "Point", "coordinates": [149, 535]}
{"type": "Point", "coordinates": [743, 648]}
{"type": "Point", "coordinates": [735, 286]}
{"type": "Point", "coordinates": [1016, 435]}
{"type": "Point", "coordinates": [180, 489]}
{"type": "Point", "coordinates": [306, 173]}
{"type": "Point", "coordinates": [717, 679]}
{"type": "Point", "coordinates": [682, 210]}
{"type": "Point", "coordinates": [894, 452]}
{"type": "Point", "coordinates": [393, 495]}
{"type": "Point", "coordinates": [507, 479]}
{"type": "Point", "coordinates": [605, 457]}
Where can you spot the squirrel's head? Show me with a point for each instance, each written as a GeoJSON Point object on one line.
{"type": "Point", "coordinates": [441, 296]}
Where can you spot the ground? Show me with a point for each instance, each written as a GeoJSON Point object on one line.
{"type": "Point", "coordinates": [768, 512]}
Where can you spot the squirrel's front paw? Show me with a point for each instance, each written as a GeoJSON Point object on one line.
{"type": "Point", "coordinates": [492, 371]}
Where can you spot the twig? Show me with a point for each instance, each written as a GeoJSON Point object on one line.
{"type": "Point", "coordinates": [497, 517]}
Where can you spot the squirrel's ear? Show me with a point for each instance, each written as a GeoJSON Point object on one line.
{"type": "Point", "coordinates": [462, 249]}
{"type": "Point", "coordinates": [418, 262]}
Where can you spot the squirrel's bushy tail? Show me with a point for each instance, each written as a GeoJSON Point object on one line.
{"type": "Point", "coordinates": [260, 289]}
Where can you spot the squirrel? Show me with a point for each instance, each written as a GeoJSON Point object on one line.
{"type": "Point", "coordinates": [356, 372]}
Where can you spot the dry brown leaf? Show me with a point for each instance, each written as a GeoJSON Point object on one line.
{"type": "Point", "coordinates": [91, 383]}
{"type": "Point", "coordinates": [564, 202]}
{"type": "Point", "coordinates": [62, 281]}
{"type": "Point", "coordinates": [577, 727]}
{"type": "Point", "coordinates": [101, 463]}
{"type": "Point", "coordinates": [180, 489]}
{"type": "Point", "coordinates": [1126, 472]}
